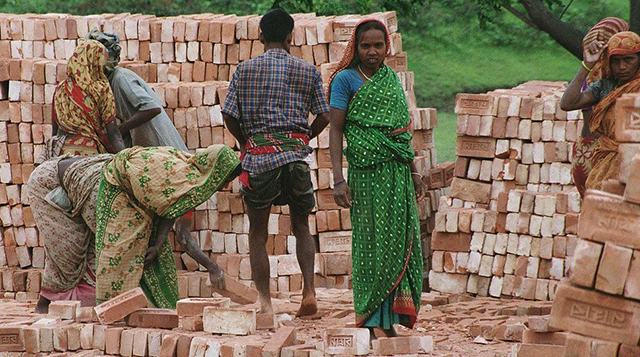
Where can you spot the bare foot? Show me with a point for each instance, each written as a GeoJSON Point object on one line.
{"type": "Point", "coordinates": [42, 307]}
{"type": "Point", "coordinates": [309, 306]}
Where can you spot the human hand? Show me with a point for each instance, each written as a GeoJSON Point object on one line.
{"type": "Point", "coordinates": [152, 253]}
{"type": "Point", "coordinates": [419, 185]}
{"type": "Point", "coordinates": [216, 278]}
{"type": "Point", "coordinates": [593, 52]}
{"type": "Point", "coordinates": [342, 194]}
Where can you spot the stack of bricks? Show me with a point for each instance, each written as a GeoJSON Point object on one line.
{"type": "Point", "coordinates": [599, 302]}
{"type": "Point", "coordinates": [509, 224]}
{"type": "Point", "coordinates": [188, 61]}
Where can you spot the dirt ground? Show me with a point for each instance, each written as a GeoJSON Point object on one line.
{"type": "Point", "coordinates": [453, 321]}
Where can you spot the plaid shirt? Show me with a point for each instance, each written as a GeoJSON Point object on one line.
{"type": "Point", "coordinates": [273, 94]}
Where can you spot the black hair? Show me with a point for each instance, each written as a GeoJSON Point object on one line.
{"type": "Point", "coordinates": [276, 25]}
{"type": "Point", "coordinates": [360, 30]}
{"type": "Point", "coordinates": [370, 25]}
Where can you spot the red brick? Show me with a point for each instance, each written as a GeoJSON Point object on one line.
{"type": "Point", "coordinates": [532, 350]}
{"type": "Point", "coordinates": [613, 268]}
{"type": "Point", "coordinates": [195, 306]}
{"type": "Point", "coordinates": [544, 338]}
{"type": "Point", "coordinates": [121, 306]}
{"type": "Point", "coordinates": [11, 339]}
{"type": "Point", "coordinates": [238, 292]}
{"type": "Point", "coordinates": [284, 336]}
{"type": "Point", "coordinates": [596, 314]}
{"type": "Point", "coordinates": [153, 318]}
{"type": "Point", "coordinates": [607, 218]}
{"type": "Point", "coordinates": [478, 104]}
{"type": "Point", "coordinates": [477, 147]}
{"type": "Point", "coordinates": [403, 345]}
{"type": "Point", "coordinates": [584, 263]}
{"type": "Point", "coordinates": [169, 345]}
{"type": "Point", "coordinates": [468, 190]}
{"type": "Point", "coordinates": [452, 242]}
{"type": "Point", "coordinates": [112, 338]}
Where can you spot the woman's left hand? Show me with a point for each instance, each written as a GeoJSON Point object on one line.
{"type": "Point", "coordinates": [151, 254]}
{"type": "Point", "coordinates": [419, 185]}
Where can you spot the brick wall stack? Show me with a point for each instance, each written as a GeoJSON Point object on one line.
{"type": "Point", "coordinates": [598, 304]}
{"type": "Point", "coordinates": [510, 222]}
{"type": "Point", "coordinates": [188, 61]}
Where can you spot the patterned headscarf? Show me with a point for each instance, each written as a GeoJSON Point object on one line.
{"type": "Point", "coordinates": [112, 43]}
{"type": "Point", "coordinates": [350, 54]}
{"type": "Point", "coordinates": [602, 32]}
{"type": "Point", "coordinates": [84, 102]}
{"type": "Point", "coordinates": [623, 43]}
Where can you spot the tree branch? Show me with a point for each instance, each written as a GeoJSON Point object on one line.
{"type": "Point", "coordinates": [634, 15]}
{"type": "Point", "coordinates": [519, 15]}
{"type": "Point", "coordinates": [563, 33]}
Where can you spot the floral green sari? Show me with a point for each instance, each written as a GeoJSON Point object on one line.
{"type": "Point", "coordinates": [387, 258]}
{"type": "Point", "coordinates": [139, 186]}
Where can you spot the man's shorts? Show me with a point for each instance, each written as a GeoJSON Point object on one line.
{"type": "Point", "coordinates": [289, 184]}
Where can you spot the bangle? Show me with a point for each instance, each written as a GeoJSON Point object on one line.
{"type": "Point", "coordinates": [339, 182]}
{"type": "Point", "coordinates": [587, 68]}
{"type": "Point", "coordinates": [416, 173]}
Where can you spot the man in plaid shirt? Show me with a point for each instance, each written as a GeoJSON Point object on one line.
{"type": "Point", "coordinates": [267, 110]}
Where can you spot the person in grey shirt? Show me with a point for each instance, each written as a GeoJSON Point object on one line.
{"type": "Point", "coordinates": [143, 120]}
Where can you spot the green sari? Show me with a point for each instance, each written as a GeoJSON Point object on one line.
{"type": "Point", "coordinates": [139, 186]}
{"type": "Point", "coordinates": [387, 257]}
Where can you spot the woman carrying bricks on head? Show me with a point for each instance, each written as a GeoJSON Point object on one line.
{"type": "Point", "coordinates": [583, 148]}
{"type": "Point", "coordinates": [369, 108]}
{"type": "Point", "coordinates": [619, 60]}
{"type": "Point", "coordinates": [84, 108]}
{"type": "Point", "coordinates": [142, 192]}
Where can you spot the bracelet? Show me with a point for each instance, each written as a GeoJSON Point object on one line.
{"type": "Point", "coordinates": [416, 173]}
{"type": "Point", "coordinates": [339, 182]}
{"type": "Point", "coordinates": [587, 68]}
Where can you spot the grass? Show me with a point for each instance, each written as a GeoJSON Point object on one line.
{"type": "Point", "coordinates": [444, 68]}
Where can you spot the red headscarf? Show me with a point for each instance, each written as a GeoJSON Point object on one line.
{"type": "Point", "coordinates": [602, 32]}
{"type": "Point", "coordinates": [623, 43]}
{"type": "Point", "coordinates": [350, 52]}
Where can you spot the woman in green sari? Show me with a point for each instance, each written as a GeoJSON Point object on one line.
{"type": "Point", "coordinates": [142, 192]}
{"type": "Point", "coordinates": [369, 109]}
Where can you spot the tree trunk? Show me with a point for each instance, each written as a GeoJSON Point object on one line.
{"type": "Point", "coordinates": [563, 33]}
{"type": "Point", "coordinates": [634, 15]}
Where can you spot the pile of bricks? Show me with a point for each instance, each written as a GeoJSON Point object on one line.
{"type": "Point", "coordinates": [597, 304]}
{"type": "Point", "coordinates": [188, 60]}
{"type": "Point", "coordinates": [510, 222]}
{"type": "Point", "coordinates": [199, 327]}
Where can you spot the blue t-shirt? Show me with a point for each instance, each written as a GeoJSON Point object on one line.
{"type": "Point", "coordinates": [601, 88]}
{"type": "Point", "coordinates": [344, 87]}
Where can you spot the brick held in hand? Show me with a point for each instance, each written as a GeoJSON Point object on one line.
{"type": "Point", "coordinates": [237, 291]}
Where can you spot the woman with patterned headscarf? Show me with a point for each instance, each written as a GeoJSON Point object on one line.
{"type": "Point", "coordinates": [620, 63]}
{"type": "Point", "coordinates": [142, 192]}
{"type": "Point", "coordinates": [583, 148]}
{"type": "Point", "coordinates": [84, 108]}
{"type": "Point", "coordinates": [369, 108]}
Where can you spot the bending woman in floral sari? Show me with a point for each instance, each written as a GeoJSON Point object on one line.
{"type": "Point", "coordinates": [142, 192]}
{"type": "Point", "coordinates": [84, 107]}
{"type": "Point", "coordinates": [620, 63]}
{"type": "Point", "coordinates": [369, 108]}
